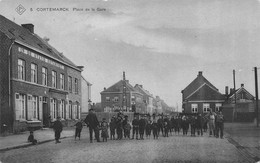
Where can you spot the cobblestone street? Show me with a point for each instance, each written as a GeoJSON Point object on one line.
{"type": "Point", "coordinates": [172, 149]}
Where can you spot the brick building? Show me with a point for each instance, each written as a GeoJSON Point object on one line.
{"type": "Point", "coordinates": [37, 83]}
{"type": "Point", "coordinates": [200, 95]}
{"type": "Point", "coordinates": [112, 98]}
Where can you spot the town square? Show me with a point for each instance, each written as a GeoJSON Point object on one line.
{"type": "Point", "coordinates": [129, 81]}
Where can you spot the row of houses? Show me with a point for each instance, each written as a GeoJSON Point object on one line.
{"type": "Point", "coordinates": [123, 96]}
{"type": "Point", "coordinates": [200, 96]}
{"type": "Point", "coordinates": [37, 83]}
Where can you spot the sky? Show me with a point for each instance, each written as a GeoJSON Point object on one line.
{"type": "Point", "coordinates": [160, 44]}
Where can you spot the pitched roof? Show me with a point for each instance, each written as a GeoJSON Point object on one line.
{"type": "Point", "coordinates": [195, 84]}
{"type": "Point", "coordinates": [206, 92]}
{"type": "Point", "coordinates": [249, 96]}
{"type": "Point", "coordinates": [21, 34]}
{"type": "Point", "coordinates": [118, 87]}
{"type": "Point", "coordinates": [142, 90]}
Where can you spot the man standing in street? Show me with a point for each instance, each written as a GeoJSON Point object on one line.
{"type": "Point", "coordinates": [135, 124]}
{"type": "Point", "coordinates": [93, 124]}
{"type": "Point", "coordinates": [211, 118]}
{"type": "Point", "coordinates": [219, 125]}
{"type": "Point", "coordinates": [57, 127]}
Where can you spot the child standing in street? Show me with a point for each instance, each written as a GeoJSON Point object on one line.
{"type": "Point", "coordinates": [127, 129]}
{"type": "Point", "coordinates": [79, 126]}
{"type": "Point", "coordinates": [104, 129]}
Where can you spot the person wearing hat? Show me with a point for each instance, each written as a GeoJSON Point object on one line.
{"type": "Point", "coordinates": [57, 127]}
{"type": "Point", "coordinates": [93, 124]}
{"type": "Point", "coordinates": [112, 126]}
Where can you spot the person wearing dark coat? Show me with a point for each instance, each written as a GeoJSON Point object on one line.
{"type": "Point", "coordinates": [219, 125]}
{"type": "Point", "coordinates": [155, 127]}
{"type": "Point", "coordinates": [148, 129]}
{"type": "Point", "coordinates": [93, 124]}
{"type": "Point", "coordinates": [166, 126]}
{"type": "Point", "coordinates": [31, 138]}
{"type": "Point", "coordinates": [199, 125]}
{"type": "Point", "coordinates": [79, 127]}
{"type": "Point", "coordinates": [57, 127]}
{"type": "Point", "coordinates": [104, 130]}
{"type": "Point", "coordinates": [112, 126]}
{"type": "Point", "coordinates": [119, 127]}
{"type": "Point", "coordinates": [135, 124]}
{"type": "Point", "coordinates": [142, 127]}
{"type": "Point", "coordinates": [193, 125]}
{"type": "Point", "coordinates": [178, 124]}
{"type": "Point", "coordinates": [124, 124]}
{"type": "Point", "coordinates": [185, 125]}
{"type": "Point", "coordinates": [160, 125]}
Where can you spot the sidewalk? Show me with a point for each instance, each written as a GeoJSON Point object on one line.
{"type": "Point", "coordinates": [245, 137]}
{"type": "Point", "coordinates": [43, 135]}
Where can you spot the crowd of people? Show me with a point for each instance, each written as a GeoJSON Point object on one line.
{"type": "Point", "coordinates": [120, 127]}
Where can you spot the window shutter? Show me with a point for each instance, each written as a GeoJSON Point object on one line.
{"type": "Point", "coordinates": [74, 111]}
{"type": "Point", "coordinates": [51, 108]}
{"type": "Point", "coordinates": [67, 110]}
{"type": "Point", "coordinates": [30, 109]}
{"type": "Point", "coordinates": [17, 107]}
{"type": "Point", "coordinates": [40, 108]}
{"type": "Point", "coordinates": [79, 111]}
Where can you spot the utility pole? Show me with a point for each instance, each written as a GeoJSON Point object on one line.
{"type": "Point", "coordinates": [235, 96]}
{"type": "Point", "coordinates": [124, 93]}
{"type": "Point", "coordinates": [256, 96]}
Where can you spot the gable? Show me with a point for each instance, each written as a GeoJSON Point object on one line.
{"type": "Point", "coordinates": [196, 84]}
{"type": "Point", "coordinates": [118, 87]}
{"type": "Point", "coordinates": [206, 93]}
{"type": "Point", "coordinates": [242, 93]}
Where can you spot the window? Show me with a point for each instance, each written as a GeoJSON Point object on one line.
{"type": "Point", "coordinates": [76, 86]}
{"type": "Point", "coordinates": [20, 106]}
{"type": "Point", "coordinates": [206, 108]}
{"type": "Point", "coordinates": [70, 110]}
{"type": "Point", "coordinates": [35, 107]}
{"type": "Point", "coordinates": [54, 79]}
{"type": "Point", "coordinates": [33, 73]}
{"type": "Point", "coordinates": [54, 108]}
{"type": "Point", "coordinates": [44, 76]}
{"type": "Point", "coordinates": [116, 99]}
{"type": "Point", "coordinates": [217, 106]}
{"type": "Point", "coordinates": [107, 99]}
{"type": "Point", "coordinates": [62, 82]}
{"type": "Point", "coordinates": [77, 110]}
{"type": "Point", "coordinates": [70, 84]}
{"type": "Point", "coordinates": [21, 69]}
{"type": "Point", "coordinates": [194, 108]}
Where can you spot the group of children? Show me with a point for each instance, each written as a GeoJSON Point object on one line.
{"type": "Point", "coordinates": [119, 126]}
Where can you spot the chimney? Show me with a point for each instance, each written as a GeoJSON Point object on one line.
{"type": "Point", "coordinates": [141, 86]}
{"type": "Point", "coordinates": [226, 90]}
{"type": "Point", "coordinates": [123, 75]}
{"type": "Point", "coordinates": [30, 27]}
{"type": "Point", "coordinates": [242, 85]}
{"type": "Point", "coordinates": [200, 73]}
{"type": "Point", "coordinates": [231, 90]}
{"type": "Point", "coordinates": [105, 88]}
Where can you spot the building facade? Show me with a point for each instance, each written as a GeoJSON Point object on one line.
{"type": "Point", "coordinates": [239, 105]}
{"type": "Point", "coordinates": [112, 98]}
{"type": "Point", "coordinates": [147, 99]}
{"type": "Point", "coordinates": [200, 96]}
{"type": "Point", "coordinates": [86, 95]}
{"type": "Point", "coordinates": [38, 84]}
